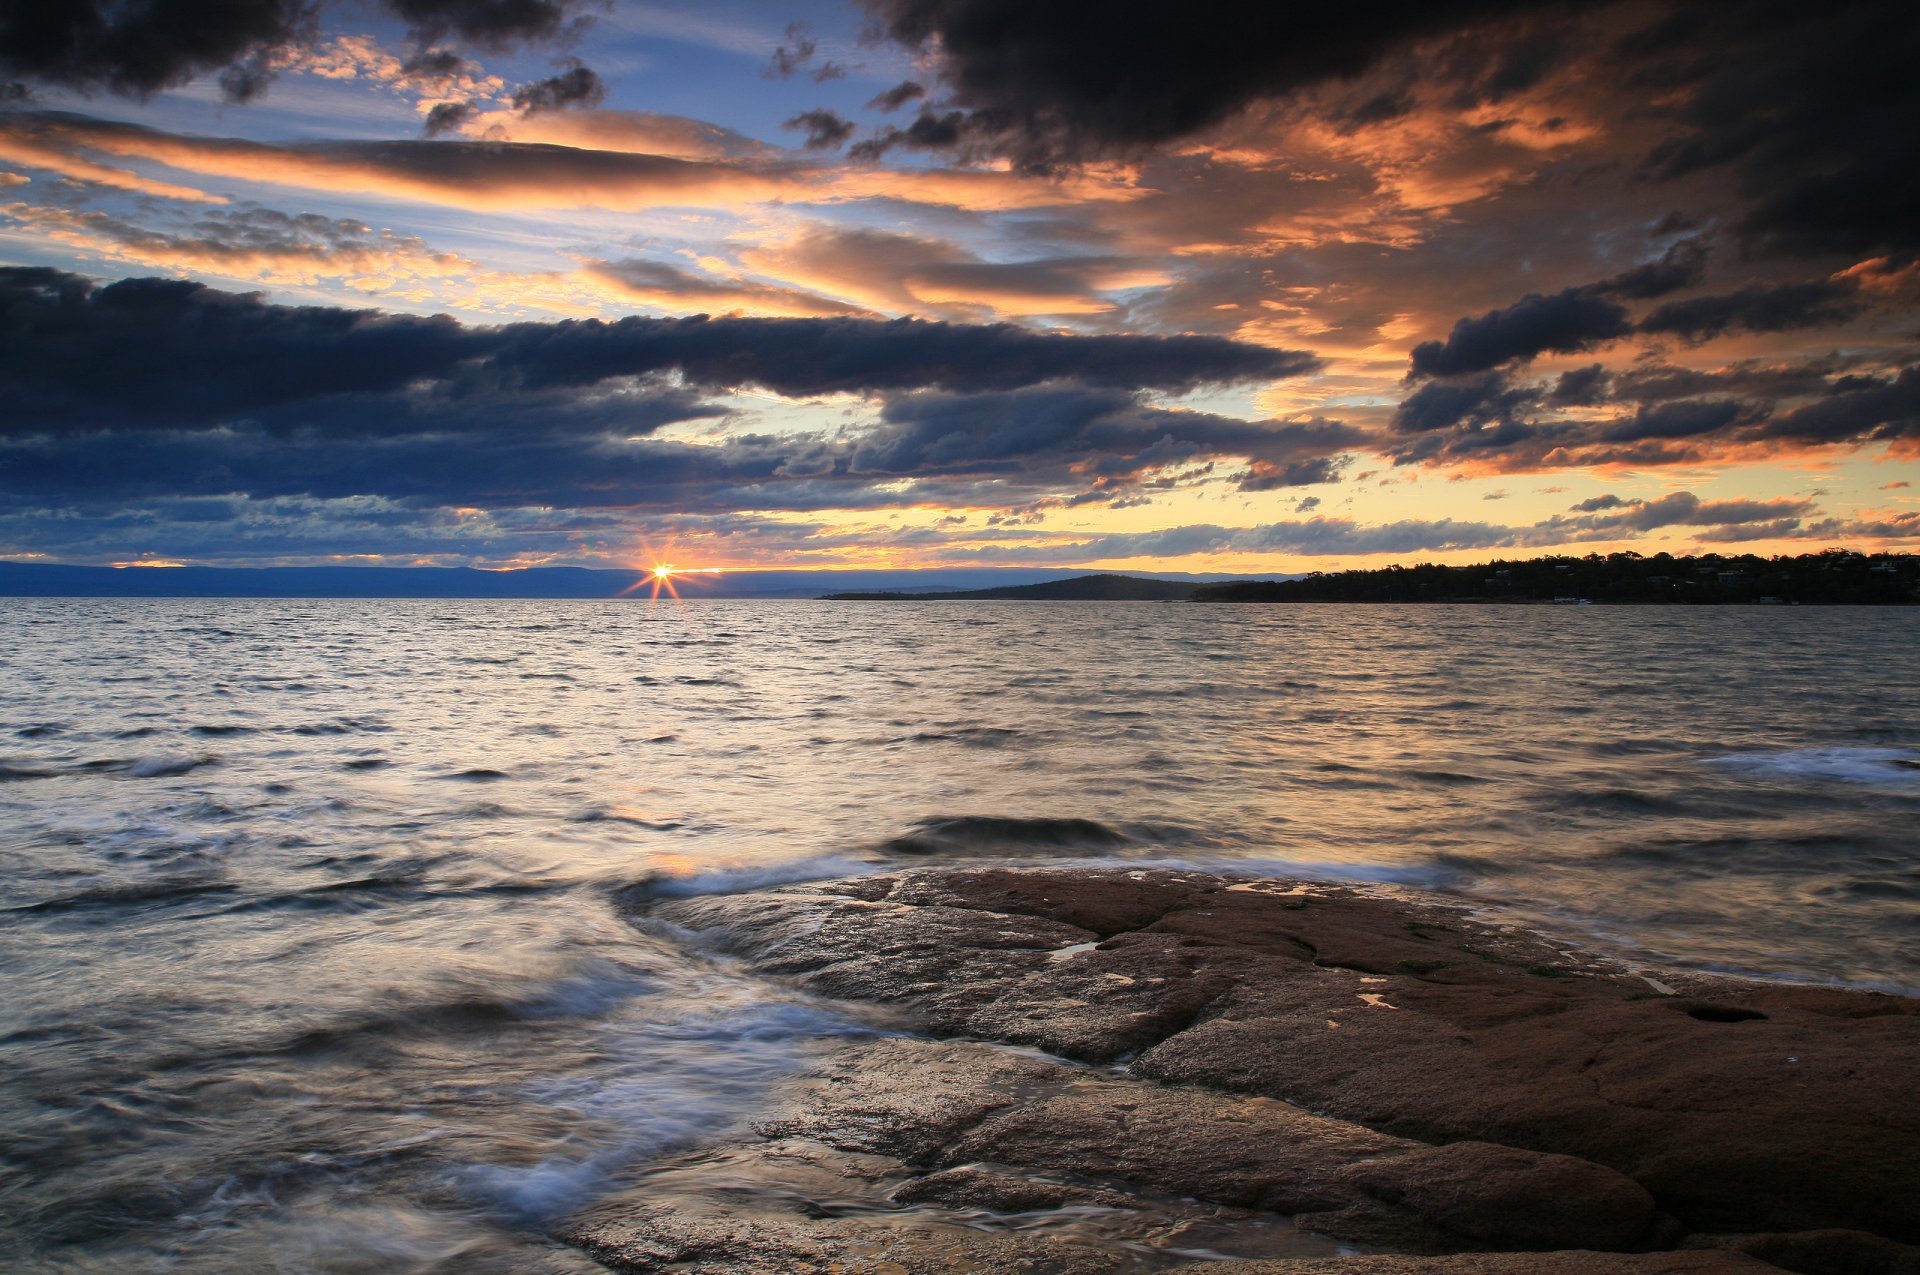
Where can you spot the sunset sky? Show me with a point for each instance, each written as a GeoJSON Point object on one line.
{"type": "Point", "coordinates": [969, 283]}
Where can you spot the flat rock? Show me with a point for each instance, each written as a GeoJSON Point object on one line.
{"type": "Point", "coordinates": [1739, 1107]}
{"type": "Point", "coordinates": [941, 1104]}
{"type": "Point", "coordinates": [1820, 1252]}
{"type": "Point", "coordinates": [1506, 1264]}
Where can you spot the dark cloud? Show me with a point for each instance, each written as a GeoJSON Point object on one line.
{"type": "Point", "coordinates": [1443, 405]}
{"type": "Point", "coordinates": [1681, 266]}
{"type": "Point", "coordinates": [575, 87]}
{"type": "Point", "coordinates": [437, 65]}
{"type": "Point", "coordinates": [1582, 387]}
{"type": "Point", "coordinates": [1766, 380]}
{"type": "Point", "coordinates": [1811, 110]}
{"type": "Point", "coordinates": [1611, 516]}
{"type": "Point", "coordinates": [1678, 415]}
{"type": "Point", "coordinates": [140, 48]}
{"type": "Point", "coordinates": [1597, 503]}
{"type": "Point", "coordinates": [1308, 472]}
{"type": "Point", "coordinates": [792, 57]}
{"type": "Point", "coordinates": [1760, 308]}
{"type": "Point", "coordinates": [1564, 323]}
{"type": "Point", "coordinates": [898, 96]}
{"type": "Point", "coordinates": [1687, 418]}
{"type": "Point", "coordinates": [494, 24]}
{"type": "Point", "coordinates": [824, 129]}
{"type": "Point", "coordinates": [1075, 79]}
{"type": "Point", "coordinates": [447, 117]}
{"type": "Point", "coordinates": [1107, 432]}
{"type": "Point", "coordinates": [930, 131]}
{"type": "Point", "coordinates": [1857, 407]}
{"type": "Point", "coordinates": [153, 352]}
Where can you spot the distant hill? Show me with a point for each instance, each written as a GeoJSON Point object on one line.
{"type": "Point", "coordinates": [42, 579]}
{"type": "Point", "coordinates": [1834, 577]}
{"type": "Point", "coordinates": [1094, 588]}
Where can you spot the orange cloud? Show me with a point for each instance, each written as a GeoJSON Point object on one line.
{"type": "Point", "coordinates": [497, 175]}
{"type": "Point", "coordinates": [634, 132]}
{"type": "Point", "coordinates": [24, 148]}
{"type": "Point", "coordinates": [667, 287]}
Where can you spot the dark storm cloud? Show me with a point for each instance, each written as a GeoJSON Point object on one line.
{"type": "Point", "coordinates": [1586, 317]}
{"type": "Point", "coordinates": [1107, 432]}
{"type": "Point", "coordinates": [1760, 308]}
{"type": "Point", "coordinates": [1811, 109]}
{"type": "Point", "coordinates": [1688, 418]}
{"type": "Point", "coordinates": [1073, 79]}
{"type": "Point", "coordinates": [1681, 266]}
{"type": "Point", "coordinates": [555, 451]}
{"type": "Point", "coordinates": [898, 96]}
{"type": "Point", "coordinates": [159, 352]}
{"type": "Point", "coordinates": [1612, 516]}
{"type": "Point", "coordinates": [930, 131]}
{"type": "Point", "coordinates": [149, 389]}
{"type": "Point", "coordinates": [447, 117]}
{"type": "Point", "coordinates": [1764, 380]}
{"type": "Point", "coordinates": [1442, 405]}
{"type": "Point", "coordinates": [1858, 407]}
{"type": "Point", "coordinates": [494, 24]}
{"type": "Point", "coordinates": [1565, 323]}
{"type": "Point", "coordinates": [1677, 415]}
{"type": "Point", "coordinates": [1582, 387]}
{"type": "Point", "coordinates": [140, 47]}
{"type": "Point", "coordinates": [824, 129]}
{"type": "Point", "coordinates": [1294, 473]}
{"type": "Point", "coordinates": [575, 87]}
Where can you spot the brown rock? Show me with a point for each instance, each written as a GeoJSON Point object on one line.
{"type": "Point", "coordinates": [1740, 1107]}
{"type": "Point", "coordinates": [1505, 1264]}
{"type": "Point", "coordinates": [1820, 1252]}
{"type": "Point", "coordinates": [974, 1186]}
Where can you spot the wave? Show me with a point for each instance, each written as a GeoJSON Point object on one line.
{"type": "Point", "coordinates": [9, 770]}
{"type": "Point", "coordinates": [343, 726]}
{"type": "Point", "coordinates": [623, 814]}
{"type": "Point", "coordinates": [685, 1081]}
{"type": "Point", "coordinates": [165, 767]}
{"type": "Point", "coordinates": [999, 834]}
{"type": "Point", "coordinates": [740, 878]}
{"type": "Point", "coordinates": [1851, 765]}
{"type": "Point", "coordinates": [162, 891]}
{"type": "Point", "coordinates": [971, 736]}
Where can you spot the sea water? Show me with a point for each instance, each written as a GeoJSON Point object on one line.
{"type": "Point", "coordinates": [312, 943]}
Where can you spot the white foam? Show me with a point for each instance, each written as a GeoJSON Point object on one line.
{"type": "Point", "coordinates": [1852, 765]}
{"type": "Point", "coordinates": [682, 1081]}
{"type": "Point", "coordinates": [589, 993]}
{"type": "Point", "coordinates": [165, 767]}
{"type": "Point", "coordinates": [1423, 876]}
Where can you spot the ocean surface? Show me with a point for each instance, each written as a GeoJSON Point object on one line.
{"type": "Point", "coordinates": [310, 938]}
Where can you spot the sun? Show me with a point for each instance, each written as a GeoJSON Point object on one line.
{"type": "Point", "coordinates": [663, 573]}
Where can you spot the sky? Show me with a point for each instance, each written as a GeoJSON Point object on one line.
{"type": "Point", "coordinates": [958, 283]}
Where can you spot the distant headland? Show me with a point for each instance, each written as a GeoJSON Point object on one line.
{"type": "Point", "coordinates": [1094, 588]}
{"type": "Point", "coordinates": [1837, 577]}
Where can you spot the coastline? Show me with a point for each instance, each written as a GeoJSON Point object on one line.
{"type": "Point", "coordinates": [1178, 1066]}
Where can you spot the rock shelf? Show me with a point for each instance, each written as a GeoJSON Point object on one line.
{"type": "Point", "coordinates": [1316, 1077]}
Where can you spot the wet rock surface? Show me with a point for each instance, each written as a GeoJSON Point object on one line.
{"type": "Point", "coordinates": [1505, 1264]}
{"type": "Point", "coordinates": [1162, 1066]}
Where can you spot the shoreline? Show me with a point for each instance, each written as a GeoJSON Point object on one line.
{"type": "Point", "coordinates": [1317, 1076]}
